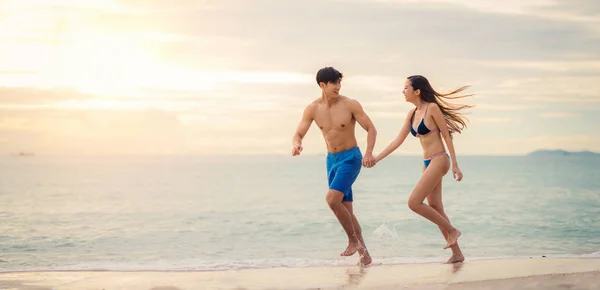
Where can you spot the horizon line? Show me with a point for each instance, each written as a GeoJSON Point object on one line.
{"type": "Point", "coordinates": [321, 154]}
{"type": "Point", "coordinates": [222, 155]}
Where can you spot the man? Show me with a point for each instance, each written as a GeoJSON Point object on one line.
{"type": "Point", "coordinates": [336, 116]}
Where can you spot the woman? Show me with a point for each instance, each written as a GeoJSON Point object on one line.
{"type": "Point", "coordinates": [433, 119]}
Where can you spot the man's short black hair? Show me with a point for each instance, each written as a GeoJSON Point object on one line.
{"type": "Point", "coordinates": [329, 75]}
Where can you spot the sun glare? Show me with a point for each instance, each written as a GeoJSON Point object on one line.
{"type": "Point", "coordinates": [93, 4]}
{"type": "Point", "coordinates": [117, 66]}
{"type": "Point", "coordinates": [114, 66]}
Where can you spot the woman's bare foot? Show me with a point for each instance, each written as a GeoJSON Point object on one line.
{"type": "Point", "coordinates": [351, 249]}
{"type": "Point", "coordinates": [365, 259]}
{"type": "Point", "coordinates": [452, 238]}
{"type": "Point", "coordinates": [456, 258]}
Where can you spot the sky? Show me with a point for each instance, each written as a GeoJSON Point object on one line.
{"type": "Point", "coordinates": [97, 77]}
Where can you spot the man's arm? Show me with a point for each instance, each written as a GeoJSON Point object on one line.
{"type": "Point", "coordinates": [302, 129]}
{"type": "Point", "coordinates": [365, 122]}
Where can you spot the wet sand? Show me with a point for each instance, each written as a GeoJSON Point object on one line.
{"type": "Point", "coordinates": [538, 273]}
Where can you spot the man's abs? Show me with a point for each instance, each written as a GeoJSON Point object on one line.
{"type": "Point", "coordinates": [339, 141]}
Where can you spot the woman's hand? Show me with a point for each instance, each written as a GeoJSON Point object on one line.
{"type": "Point", "coordinates": [457, 173]}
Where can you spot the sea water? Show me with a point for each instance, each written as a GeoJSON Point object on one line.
{"type": "Point", "coordinates": [233, 212]}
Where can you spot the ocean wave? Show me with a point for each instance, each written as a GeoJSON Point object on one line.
{"type": "Point", "coordinates": [197, 265]}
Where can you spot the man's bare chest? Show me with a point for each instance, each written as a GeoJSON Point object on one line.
{"type": "Point", "coordinates": [335, 118]}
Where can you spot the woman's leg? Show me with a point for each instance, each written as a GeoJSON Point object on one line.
{"type": "Point", "coordinates": [435, 201]}
{"type": "Point", "coordinates": [430, 178]}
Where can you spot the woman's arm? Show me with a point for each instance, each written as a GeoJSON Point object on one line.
{"type": "Point", "coordinates": [438, 117]}
{"type": "Point", "coordinates": [399, 139]}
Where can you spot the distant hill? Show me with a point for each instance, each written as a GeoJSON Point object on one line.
{"type": "Point", "coordinates": [562, 153]}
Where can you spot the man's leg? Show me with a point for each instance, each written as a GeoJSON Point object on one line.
{"type": "Point", "coordinates": [334, 200]}
{"type": "Point", "coordinates": [344, 173]}
{"type": "Point", "coordinates": [365, 257]}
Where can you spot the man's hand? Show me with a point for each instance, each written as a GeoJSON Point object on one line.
{"type": "Point", "coordinates": [296, 150]}
{"type": "Point", "coordinates": [368, 160]}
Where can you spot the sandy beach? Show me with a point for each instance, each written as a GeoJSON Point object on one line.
{"type": "Point", "coordinates": [538, 273]}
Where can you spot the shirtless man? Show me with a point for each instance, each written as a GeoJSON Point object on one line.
{"type": "Point", "coordinates": [336, 116]}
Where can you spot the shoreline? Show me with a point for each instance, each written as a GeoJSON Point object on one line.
{"type": "Point", "coordinates": [538, 273]}
{"type": "Point", "coordinates": [334, 264]}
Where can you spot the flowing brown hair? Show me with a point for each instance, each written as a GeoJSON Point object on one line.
{"type": "Point", "coordinates": [454, 119]}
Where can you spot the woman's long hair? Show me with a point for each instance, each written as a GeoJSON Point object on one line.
{"type": "Point", "coordinates": [454, 119]}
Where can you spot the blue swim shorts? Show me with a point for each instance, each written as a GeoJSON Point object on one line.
{"type": "Point", "coordinates": [342, 170]}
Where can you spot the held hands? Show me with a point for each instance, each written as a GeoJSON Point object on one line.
{"type": "Point", "coordinates": [296, 150]}
{"type": "Point", "coordinates": [457, 173]}
{"type": "Point", "coordinates": [368, 160]}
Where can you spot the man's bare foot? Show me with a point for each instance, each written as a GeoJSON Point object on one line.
{"type": "Point", "coordinates": [365, 260]}
{"type": "Point", "coordinates": [455, 258]}
{"type": "Point", "coordinates": [351, 249]}
{"type": "Point", "coordinates": [452, 238]}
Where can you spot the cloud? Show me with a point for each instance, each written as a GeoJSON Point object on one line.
{"type": "Point", "coordinates": [243, 99]}
{"type": "Point", "coordinates": [14, 123]}
{"type": "Point", "coordinates": [557, 115]}
{"type": "Point", "coordinates": [103, 6]}
{"type": "Point", "coordinates": [577, 10]}
{"type": "Point", "coordinates": [503, 107]}
{"type": "Point", "coordinates": [50, 21]}
{"type": "Point", "coordinates": [195, 124]}
{"type": "Point", "coordinates": [274, 39]}
{"type": "Point", "coordinates": [574, 7]}
{"type": "Point", "coordinates": [547, 91]}
{"type": "Point", "coordinates": [550, 66]}
{"type": "Point", "coordinates": [386, 115]}
{"type": "Point", "coordinates": [234, 35]}
{"type": "Point", "coordinates": [239, 35]}
{"type": "Point", "coordinates": [580, 88]}
{"type": "Point", "coordinates": [579, 103]}
{"type": "Point", "coordinates": [16, 72]}
{"type": "Point", "coordinates": [510, 6]}
{"type": "Point", "coordinates": [98, 132]}
{"type": "Point", "coordinates": [35, 96]}
{"type": "Point", "coordinates": [496, 120]}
